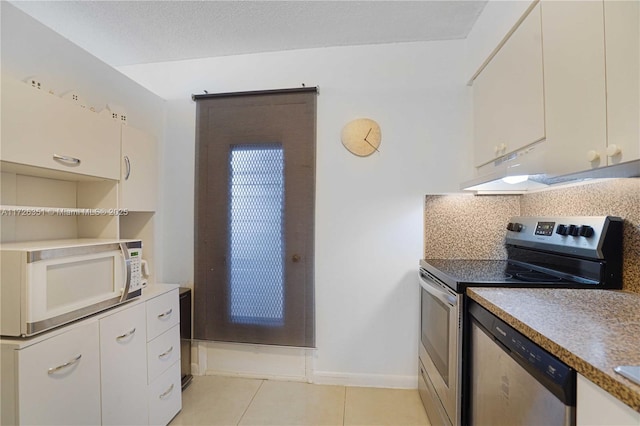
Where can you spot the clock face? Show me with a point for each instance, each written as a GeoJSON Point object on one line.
{"type": "Point", "coordinates": [361, 137]}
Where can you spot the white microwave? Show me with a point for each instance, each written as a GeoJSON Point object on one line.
{"type": "Point", "coordinates": [45, 284]}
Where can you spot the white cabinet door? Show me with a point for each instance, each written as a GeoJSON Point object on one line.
{"type": "Point", "coordinates": [509, 96]}
{"type": "Point", "coordinates": [59, 379]}
{"type": "Point", "coordinates": [123, 345]}
{"type": "Point", "coordinates": [574, 79]}
{"type": "Point", "coordinates": [622, 37]}
{"type": "Point", "coordinates": [139, 170]}
{"type": "Point", "coordinates": [596, 407]}
{"type": "Point", "coordinates": [43, 130]}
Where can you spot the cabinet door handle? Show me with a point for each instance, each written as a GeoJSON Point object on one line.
{"type": "Point", "coordinates": [65, 365]}
{"type": "Point", "coordinates": [166, 353]}
{"type": "Point", "coordinates": [125, 335]}
{"type": "Point", "coordinates": [167, 392]}
{"type": "Point", "coordinates": [166, 314]}
{"type": "Point", "coordinates": [127, 164]}
{"type": "Point", "coordinates": [67, 159]}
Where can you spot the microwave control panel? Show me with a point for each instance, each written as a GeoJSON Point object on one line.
{"type": "Point", "coordinates": [135, 256]}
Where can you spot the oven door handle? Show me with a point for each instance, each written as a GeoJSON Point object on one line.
{"type": "Point", "coordinates": [437, 292]}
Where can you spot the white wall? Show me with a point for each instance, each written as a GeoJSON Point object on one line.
{"type": "Point", "coordinates": [369, 221]}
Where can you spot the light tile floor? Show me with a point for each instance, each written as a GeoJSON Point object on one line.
{"type": "Point", "coordinates": [217, 400]}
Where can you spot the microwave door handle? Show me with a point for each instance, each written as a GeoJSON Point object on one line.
{"type": "Point", "coordinates": [439, 294]}
{"type": "Point", "coordinates": [127, 271]}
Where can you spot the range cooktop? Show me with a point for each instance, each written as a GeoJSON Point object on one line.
{"type": "Point", "coordinates": [562, 252]}
{"type": "Point", "coordinates": [459, 274]}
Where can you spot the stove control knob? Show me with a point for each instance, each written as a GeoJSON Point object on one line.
{"type": "Point", "coordinates": [515, 227]}
{"type": "Point", "coordinates": [573, 230]}
{"type": "Point", "coordinates": [562, 230]}
{"type": "Point", "coordinates": [585, 231]}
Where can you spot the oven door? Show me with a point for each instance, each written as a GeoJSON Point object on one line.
{"type": "Point", "coordinates": [440, 342]}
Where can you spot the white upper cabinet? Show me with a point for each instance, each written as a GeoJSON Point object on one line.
{"type": "Point", "coordinates": [622, 43]}
{"type": "Point", "coordinates": [574, 78]}
{"type": "Point", "coordinates": [139, 170]}
{"type": "Point", "coordinates": [568, 75]}
{"type": "Point", "coordinates": [592, 83]}
{"type": "Point", "coordinates": [40, 129]}
{"type": "Point", "coordinates": [509, 96]}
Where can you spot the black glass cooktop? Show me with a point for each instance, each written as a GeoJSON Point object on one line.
{"type": "Point", "coordinates": [459, 274]}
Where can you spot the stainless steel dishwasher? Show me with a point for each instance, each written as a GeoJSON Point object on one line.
{"type": "Point", "coordinates": [513, 380]}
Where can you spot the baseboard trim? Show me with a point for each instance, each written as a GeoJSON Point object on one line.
{"type": "Point", "coordinates": [258, 376]}
{"type": "Point", "coordinates": [365, 380]}
{"type": "Point", "coordinates": [332, 378]}
{"type": "Point", "coordinates": [245, 361]}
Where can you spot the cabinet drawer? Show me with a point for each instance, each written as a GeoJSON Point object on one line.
{"type": "Point", "coordinates": [162, 352]}
{"type": "Point", "coordinates": [40, 129]}
{"type": "Point", "coordinates": [60, 379]}
{"type": "Point", "coordinates": [163, 312]}
{"type": "Point", "coordinates": [165, 398]}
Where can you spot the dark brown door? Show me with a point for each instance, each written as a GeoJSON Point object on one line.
{"type": "Point", "coordinates": [255, 192]}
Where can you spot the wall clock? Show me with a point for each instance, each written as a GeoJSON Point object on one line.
{"type": "Point", "coordinates": [361, 137]}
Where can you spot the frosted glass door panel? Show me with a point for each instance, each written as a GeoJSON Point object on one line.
{"type": "Point", "coordinates": [256, 234]}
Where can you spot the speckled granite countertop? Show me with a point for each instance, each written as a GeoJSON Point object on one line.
{"type": "Point", "coordinates": [592, 331]}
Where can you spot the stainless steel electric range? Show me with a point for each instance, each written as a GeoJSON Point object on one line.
{"type": "Point", "coordinates": [560, 252]}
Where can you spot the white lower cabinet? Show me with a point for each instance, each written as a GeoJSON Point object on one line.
{"type": "Point", "coordinates": [123, 348]}
{"type": "Point", "coordinates": [59, 379]}
{"type": "Point", "coordinates": [597, 407]}
{"type": "Point", "coordinates": [107, 369]}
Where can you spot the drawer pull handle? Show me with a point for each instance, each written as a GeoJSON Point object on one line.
{"type": "Point", "coordinates": [124, 336]}
{"type": "Point", "coordinates": [66, 159]}
{"type": "Point", "coordinates": [167, 392]}
{"type": "Point", "coordinates": [65, 365]}
{"type": "Point", "coordinates": [166, 314]}
{"type": "Point", "coordinates": [167, 353]}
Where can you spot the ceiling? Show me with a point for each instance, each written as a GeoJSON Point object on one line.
{"type": "Point", "coordinates": [137, 32]}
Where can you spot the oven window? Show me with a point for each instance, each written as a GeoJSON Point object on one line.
{"type": "Point", "coordinates": [435, 332]}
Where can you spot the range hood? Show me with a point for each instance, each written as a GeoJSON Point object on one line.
{"type": "Point", "coordinates": [524, 171]}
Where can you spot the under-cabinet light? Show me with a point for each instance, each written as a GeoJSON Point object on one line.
{"type": "Point", "coordinates": [515, 179]}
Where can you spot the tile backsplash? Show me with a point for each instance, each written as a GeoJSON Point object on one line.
{"type": "Point", "coordinates": [466, 226]}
